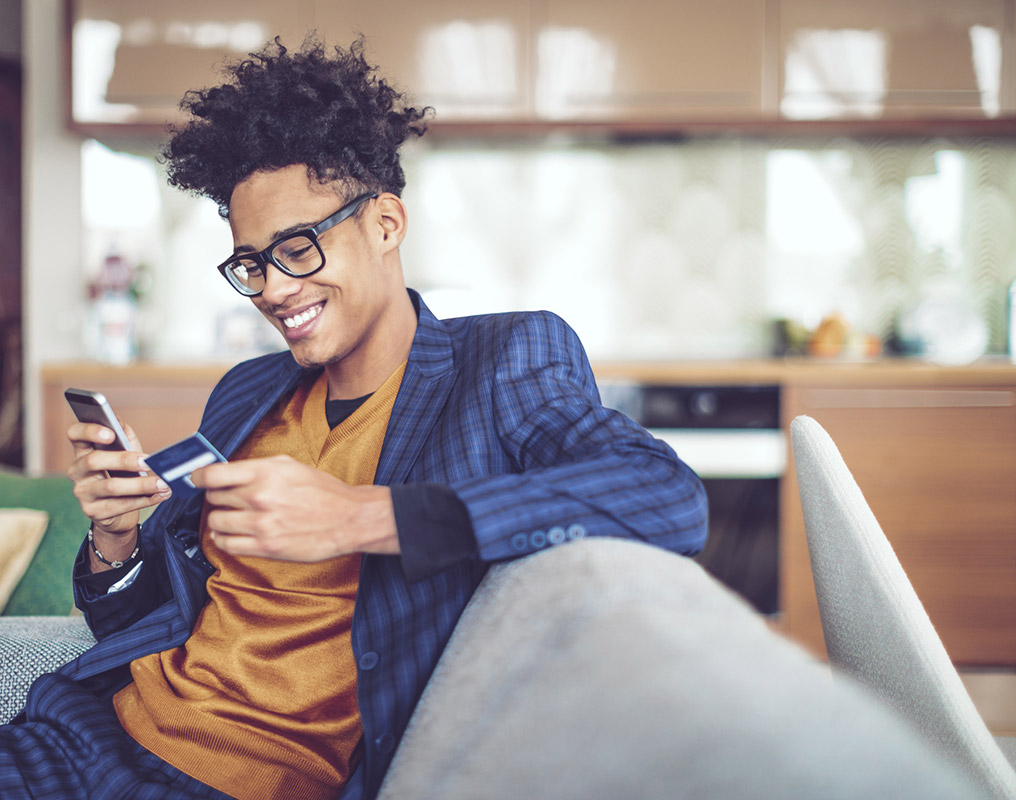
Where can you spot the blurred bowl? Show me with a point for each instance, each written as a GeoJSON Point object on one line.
{"type": "Point", "coordinates": [947, 331]}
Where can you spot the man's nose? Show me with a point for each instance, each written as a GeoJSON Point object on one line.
{"type": "Point", "coordinates": [278, 285]}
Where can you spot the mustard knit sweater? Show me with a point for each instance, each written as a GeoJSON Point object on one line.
{"type": "Point", "coordinates": [260, 702]}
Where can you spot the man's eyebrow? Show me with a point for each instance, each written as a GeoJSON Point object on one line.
{"type": "Point", "coordinates": [240, 249]}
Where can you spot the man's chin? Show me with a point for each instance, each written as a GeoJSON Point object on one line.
{"type": "Point", "coordinates": [308, 359]}
{"type": "Point", "coordinates": [307, 362]}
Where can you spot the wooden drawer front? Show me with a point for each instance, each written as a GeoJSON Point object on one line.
{"type": "Point", "coordinates": [938, 468]}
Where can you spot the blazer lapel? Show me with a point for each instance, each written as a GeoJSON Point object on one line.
{"type": "Point", "coordinates": [249, 399]}
{"type": "Point", "coordinates": [429, 375]}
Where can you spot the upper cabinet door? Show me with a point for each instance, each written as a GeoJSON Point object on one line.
{"type": "Point", "coordinates": [132, 62]}
{"type": "Point", "coordinates": [469, 59]}
{"type": "Point", "coordinates": [655, 63]}
{"type": "Point", "coordinates": [871, 59]}
{"type": "Point", "coordinates": [654, 59]}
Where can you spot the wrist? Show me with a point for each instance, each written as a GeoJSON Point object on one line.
{"type": "Point", "coordinates": [112, 550]}
{"type": "Point", "coordinates": [377, 515]}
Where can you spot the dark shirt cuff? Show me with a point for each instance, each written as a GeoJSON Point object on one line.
{"type": "Point", "coordinates": [434, 529]}
{"type": "Point", "coordinates": [96, 584]}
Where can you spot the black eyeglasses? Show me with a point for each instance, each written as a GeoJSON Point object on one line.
{"type": "Point", "coordinates": [297, 254]}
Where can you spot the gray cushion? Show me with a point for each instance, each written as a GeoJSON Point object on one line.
{"type": "Point", "coordinates": [30, 646]}
{"type": "Point", "coordinates": [610, 669]}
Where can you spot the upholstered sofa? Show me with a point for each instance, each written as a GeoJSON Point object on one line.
{"type": "Point", "coordinates": [611, 669]}
{"type": "Point", "coordinates": [41, 528]}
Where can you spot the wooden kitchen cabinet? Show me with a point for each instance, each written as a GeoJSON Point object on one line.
{"type": "Point", "coordinates": [937, 465]}
{"type": "Point", "coordinates": [895, 59]}
{"type": "Point", "coordinates": [162, 403]}
{"type": "Point", "coordinates": [473, 60]}
{"type": "Point", "coordinates": [654, 59]}
{"type": "Point", "coordinates": [646, 65]}
{"type": "Point", "coordinates": [466, 58]}
{"type": "Point", "coordinates": [132, 62]}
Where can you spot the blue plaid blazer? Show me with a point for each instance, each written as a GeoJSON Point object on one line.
{"type": "Point", "coordinates": [504, 409]}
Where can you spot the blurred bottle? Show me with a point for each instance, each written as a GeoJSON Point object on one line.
{"type": "Point", "coordinates": [112, 317]}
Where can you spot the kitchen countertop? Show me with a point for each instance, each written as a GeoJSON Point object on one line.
{"type": "Point", "coordinates": [787, 371]}
{"type": "Point", "coordinates": [790, 371]}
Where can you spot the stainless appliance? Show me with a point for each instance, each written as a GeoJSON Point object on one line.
{"type": "Point", "coordinates": [731, 437]}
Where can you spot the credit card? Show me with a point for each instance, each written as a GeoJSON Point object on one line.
{"type": "Point", "coordinates": [174, 464]}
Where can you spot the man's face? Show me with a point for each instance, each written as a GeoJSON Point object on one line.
{"type": "Point", "coordinates": [343, 312]}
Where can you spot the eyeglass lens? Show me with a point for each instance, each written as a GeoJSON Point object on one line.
{"type": "Point", "coordinates": [298, 254]}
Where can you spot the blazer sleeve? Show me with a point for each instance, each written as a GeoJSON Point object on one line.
{"type": "Point", "coordinates": [107, 612]}
{"type": "Point", "coordinates": [578, 469]}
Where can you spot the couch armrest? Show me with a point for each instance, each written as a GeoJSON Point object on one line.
{"type": "Point", "coordinates": [610, 668]}
{"type": "Point", "coordinates": [31, 646]}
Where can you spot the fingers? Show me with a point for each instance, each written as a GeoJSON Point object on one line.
{"type": "Point", "coordinates": [89, 435]}
{"type": "Point", "coordinates": [109, 501]}
{"type": "Point", "coordinates": [128, 488]}
{"type": "Point", "coordinates": [91, 463]}
{"type": "Point", "coordinates": [136, 486]}
{"type": "Point", "coordinates": [112, 485]}
{"type": "Point", "coordinates": [231, 523]}
{"type": "Point", "coordinates": [248, 473]}
{"type": "Point", "coordinates": [247, 533]}
{"type": "Point", "coordinates": [280, 548]}
{"type": "Point", "coordinates": [115, 515]}
{"type": "Point", "coordinates": [225, 475]}
{"type": "Point", "coordinates": [240, 545]}
{"type": "Point", "coordinates": [132, 437]}
{"type": "Point", "coordinates": [92, 434]}
{"type": "Point", "coordinates": [276, 508]}
{"type": "Point", "coordinates": [97, 489]}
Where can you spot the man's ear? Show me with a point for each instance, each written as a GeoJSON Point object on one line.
{"type": "Point", "coordinates": [391, 215]}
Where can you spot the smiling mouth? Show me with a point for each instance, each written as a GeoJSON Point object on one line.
{"type": "Point", "coordinates": [301, 319]}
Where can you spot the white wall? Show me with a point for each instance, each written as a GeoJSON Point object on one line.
{"type": "Point", "coordinates": [52, 302]}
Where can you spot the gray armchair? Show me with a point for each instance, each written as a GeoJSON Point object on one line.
{"type": "Point", "coordinates": [876, 629]}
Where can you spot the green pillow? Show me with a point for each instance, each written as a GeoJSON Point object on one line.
{"type": "Point", "coordinates": [45, 588]}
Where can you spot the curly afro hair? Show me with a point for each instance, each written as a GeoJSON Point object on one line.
{"type": "Point", "coordinates": [279, 108]}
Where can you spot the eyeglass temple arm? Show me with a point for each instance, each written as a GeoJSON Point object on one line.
{"type": "Point", "coordinates": [342, 214]}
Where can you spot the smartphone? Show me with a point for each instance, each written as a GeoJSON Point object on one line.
{"type": "Point", "coordinates": [89, 406]}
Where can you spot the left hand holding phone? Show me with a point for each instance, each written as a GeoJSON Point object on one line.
{"type": "Point", "coordinates": [113, 503]}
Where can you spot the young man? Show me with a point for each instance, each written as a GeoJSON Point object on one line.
{"type": "Point", "coordinates": [270, 637]}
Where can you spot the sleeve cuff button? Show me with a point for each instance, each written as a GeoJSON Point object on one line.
{"type": "Point", "coordinates": [576, 531]}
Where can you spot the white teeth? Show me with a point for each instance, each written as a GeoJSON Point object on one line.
{"type": "Point", "coordinates": [302, 318]}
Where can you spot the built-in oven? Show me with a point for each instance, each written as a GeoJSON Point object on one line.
{"type": "Point", "coordinates": [731, 437]}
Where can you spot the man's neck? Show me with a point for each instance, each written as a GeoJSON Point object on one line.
{"type": "Point", "coordinates": [363, 372]}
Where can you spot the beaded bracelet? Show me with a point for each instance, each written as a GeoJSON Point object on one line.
{"type": "Point", "coordinates": [104, 560]}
